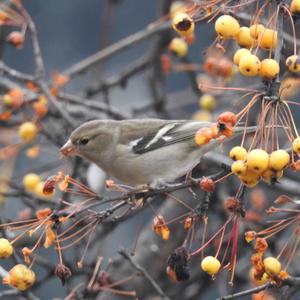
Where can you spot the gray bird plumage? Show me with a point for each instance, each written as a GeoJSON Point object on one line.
{"type": "Point", "coordinates": [141, 151]}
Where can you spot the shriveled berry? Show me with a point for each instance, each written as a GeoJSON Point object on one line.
{"type": "Point", "coordinates": [207, 184]}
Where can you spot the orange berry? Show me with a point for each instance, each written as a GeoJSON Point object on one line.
{"type": "Point", "coordinates": [210, 265]}
{"type": "Point", "coordinates": [239, 54]}
{"type": "Point", "coordinates": [272, 266]}
{"type": "Point", "coordinates": [17, 97]}
{"type": "Point", "coordinates": [269, 68]}
{"type": "Point", "coordinates": [227, 117]}
{"type": "Point", "coordinates": [249, 65]}
{"type": "Point", "coordinates": [227, 26]}
{"type": "Point", "coordinates": [179, 47]}
{"type": "Point", "coordinates": [293, 63]}
{"type": "Point", "coordinates": [183, 24]}
{"type": "Point", "coordinates": [296, 145]}
{"type": "Point", "coordinates": [210, 65]}
{"type": "Point", "coordinates": [244, 38]}
{"type": "Point", "coordinates": [268, 39]}
{"type": "Point", "coordinates": [21, 277]}
{"type": "Point", "coordinates": [16, 39]}
{"type": "Point", "coordinates": [256, 29]}
{"type": "Point", "coordinates": [202, 137]}
{"type": "Point", "coordinates": [224, 68]}
{"type": "Point", "coordinates": [238, 153]}
{"type": "Point", "coordinates": [28, 131]}
{"type": "Point", "coordinates": [271, 176]}
{"type": "Point", "coordinates": [6, 249]}
{"type": "Point", "coordinates": [257, 160]}
{"type": "Point", "coordinates": [279, 160]}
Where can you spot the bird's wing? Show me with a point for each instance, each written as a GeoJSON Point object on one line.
{"type": "Point", "coordinates": [167, 133]}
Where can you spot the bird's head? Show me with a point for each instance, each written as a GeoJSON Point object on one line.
{"type": "Point", "coordinates": [88, 140]}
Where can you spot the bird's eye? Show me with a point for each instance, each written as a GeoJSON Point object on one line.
{"type": "Point", "coordinates": [83, 141]}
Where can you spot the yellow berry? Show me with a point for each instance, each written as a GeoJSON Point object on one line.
{"type": "Point", "coordinates": [176, 7]}
{"type": "Point", "coordinates": [295, 6]}
{"type": "Point", "coordinates": [249, 65]}
{"type": "Point", "coordinates": [264, 279]}
{"type": "Point", "coordinates": [239, 54]}
{"type": "Point", "coordinates": [7, 100]}
{"type": "Point", "coordinates": [202, 116]}
{"type": "Point", "coordinates": [256, 29]}
{"type": "Point", "coordinates": [28, 131]}
{"type": "Point", "coordinates": [227, 26]}
{"type": "Point", "coordinates": [257, 160]}
{"type": "Point", "coordinates": [30, 181]}
{"type": "Point", "coordinates": [269, 68]}
{"type": "Point", "coordinates": [296, 145]}
{"type": "Point", "coordinates": [249, 179]}
{"type": "Point", "coordinates": [183, 24]}
{"type": "Point", "coordinates": [238, 167]}
{"type": "Point", "coordinates": [293, 63]}
{"type": "Point", "coordinates": [21, 277]}
{"type": "Point", "coordinates": [279, 160]}
{"type": "Point", "coordinates": [38, 190]}
{"type": "Point", "coordinates": [272, 266]}
{"type": "Point", "coordinates": [267, 39]}
{"type": "Point", "coordinates": [210, 265]}
{"type": "Point", "coordinates": [207, 102]}
{"type": "Point", "coordinates": [238, 153]}
{"type": "Point", "coordinates": [6, 249]}
{"type": "Point", "coordinates": [179, 47]}
{"type": "Point", "coordinates": [244, 38]}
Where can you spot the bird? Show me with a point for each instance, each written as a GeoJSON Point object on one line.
{"type": "Point", "coordinates": [137, 152]}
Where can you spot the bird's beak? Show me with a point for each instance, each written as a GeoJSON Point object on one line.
{"type": "Point", "coordinates": [67, 149]}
